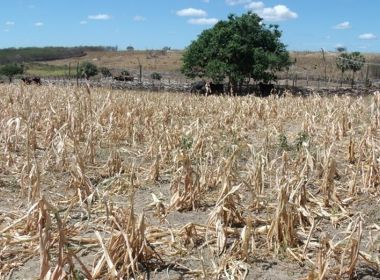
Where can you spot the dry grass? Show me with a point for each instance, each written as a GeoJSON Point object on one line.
{"type": "Point", "coordinates": [104, 184]}
{"type": "Point", "coordinates": [308, 65]}
{"type": "Point", "coordinates": [150, 60]}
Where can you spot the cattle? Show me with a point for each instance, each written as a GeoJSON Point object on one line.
{"type": "Point", "coordinates": [216, 88]}
{"type": "Point", "coordinates": [198, 87]}
{"type": "Point", "coordinates": [265, 89]}
{"type": "Point", "coordinates": [123, 78]}
{"type": "Point", "coordinates": [31, 80]}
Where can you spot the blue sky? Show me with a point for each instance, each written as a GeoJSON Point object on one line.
{"type": "Point", "coordinates": [154, 24]}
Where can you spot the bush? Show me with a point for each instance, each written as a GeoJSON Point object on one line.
{"type": "Point", "coordinates": [88, 70]}
{"type": "Point", "coordinates": [105, 72]}
{"type": "Point", "coordinates": [156, 76]}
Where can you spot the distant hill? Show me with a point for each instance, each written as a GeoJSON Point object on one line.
{"type": "Point", "coordinates": [34, 54]}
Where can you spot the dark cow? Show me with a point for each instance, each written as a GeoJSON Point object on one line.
{"type": "Point", "coordinates": [122, 78]}
{"type": "Point", "coordinates": [216, 88]}
{"type": "Point", "coordinates": [265, 89]}
{"type": "Point", "coordinates": [198, 87]}
{"type": "Point", "coordinates": [31, 80]}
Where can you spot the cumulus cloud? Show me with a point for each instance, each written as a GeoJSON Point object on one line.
{"type": "Point", "coordinates": [39, 24]}
{"type": "Point", "coordinates": [203, 21]}
{"type": "Point", "coordinates": [276, 13]}
{"type": "Point", "coordinates": [99, 17]}
{"type": "Point", "coordinates": [255, 6]}
{"type": "Point", "coordinates": [367, 36]}
{"type": "Point", "coordinates": [237, 2]}
{"type": "Point", "coordinates": [343, 25]}
{"type": "Point", "coordinates": [139, 18]}
{"type": "Point", "coordinates": [191, 12]}
{"type": "Point", "coordinates": [9, 23]}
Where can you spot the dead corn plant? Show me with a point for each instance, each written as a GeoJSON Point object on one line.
{"type": "Point", "coordinates": [282, 231]}
{"type": "Point", "coordinates": [48, 237]}
{"type": "Point", "coordinates": [127, 253]}
{"type": "Point", "coordinates": [185, 187]}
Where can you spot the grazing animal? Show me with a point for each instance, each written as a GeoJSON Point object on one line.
{"type": "Point", "coordinates": [123, 78]}
{"type": "Point", "coordinates": [265, 89]}
{"type": "Point", "coordinates": [198, 87]}
{"type": "Point", "coordinates": [216, 88]}
{"type": "Point", "coordinates": [31, 80]}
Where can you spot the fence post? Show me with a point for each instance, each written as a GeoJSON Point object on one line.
{"type": "Point", "coordinates": [367, 83]}
{"type": "Point", "coordinates": [78, 74]}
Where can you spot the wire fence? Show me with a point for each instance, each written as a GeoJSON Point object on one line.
{"type": "Point", "coordinates": [321, 71]}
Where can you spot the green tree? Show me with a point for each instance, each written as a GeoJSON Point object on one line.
{"type": "Point", "coordinates": [11, 70]}
{"type": "Point", "coordinates": [356, 63]}
{"type": "Point", "coordinates": [240, 49]}
{"type": "Point", "coordinates": [342, 63]}
{"type": "Point", "coordinates": [88, 70]}
{"type": "Point", "coordinates": [341, 49]}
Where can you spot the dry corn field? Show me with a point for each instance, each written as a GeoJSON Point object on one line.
{"type": "Point", "coordinates": [101, 184]}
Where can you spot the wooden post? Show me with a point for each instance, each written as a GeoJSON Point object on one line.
{"type": "Point", "coordinates": [140, 69]}
{"type": "Point", "coordinates": [78, 73]}
{"type": "Point", "coordinates": [367, 83]}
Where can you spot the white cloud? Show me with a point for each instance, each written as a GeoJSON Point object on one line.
{"type": "Point", "coordinates": [83, 22]}
{"type": "Point", "coordinates": [206, 1]}
{"type": "Point", "coordinates": [10, 23]}
{"type": "Point", "coordinates": [191, 12]}
{"type": "Point", "coordinates": [203, 21]}
{"type": "Point", "coordinates": [237, 2]}
{"type": "Point", "coordinates": [100, 17]}
{"type": "Point", "coordinates": [277, 13]}
{"type": "Point", "coordinates": [367, 36]}
{"type": "Point", "coordinates": [139, 18]}
{"type": "Point", "coordinates": [39, 24]}
{"type": "Point", "coordinates": [343, 25]}
{"type": "Point", "coordinates": [255, 5]}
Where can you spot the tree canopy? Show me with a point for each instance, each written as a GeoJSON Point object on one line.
{"type": "Point", "coordinates": [11, 70]}
{"type": "Point", "coordinates": [350, 61]}
{"type": "Point", "coordinates": [239, 48]}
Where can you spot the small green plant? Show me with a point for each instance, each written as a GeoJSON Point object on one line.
{"type": "Point", "coordinates": [283, 142]}
{"type": "Point", "coordinates": [302, 138]}
{"type": "Point", "coordinates": [186, 142]}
